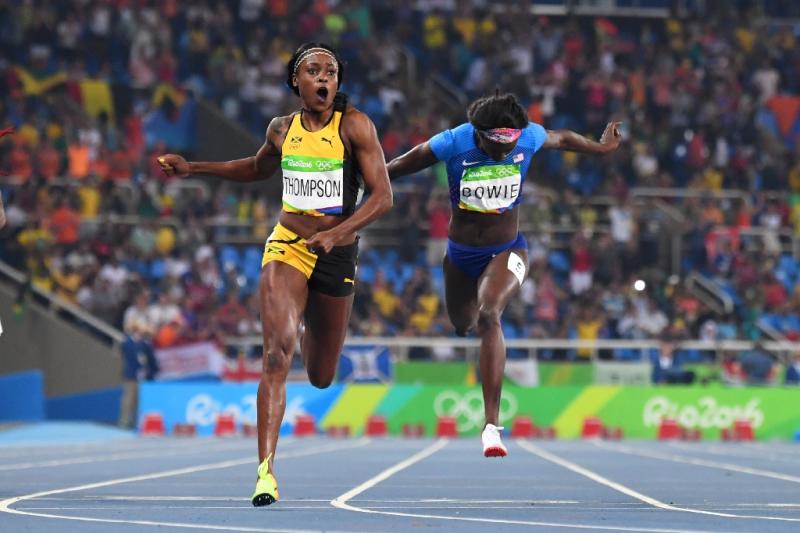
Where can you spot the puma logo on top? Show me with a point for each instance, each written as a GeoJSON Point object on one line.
{"type": "Point", "coordinates": [329, 141]}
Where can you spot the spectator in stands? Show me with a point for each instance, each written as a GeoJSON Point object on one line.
{"type": "Point", "coordinates": [64, 223]}
{"type": "Point", "coordinates": [164, 310]}
{"type": "Point", "coordinates": [589, 325]}
{"type": "Point", "coordinates": [693, 128]}
{"type": "Point", "coordinates": [580, 277]}
{"type": "Point", "coordinates": [623, 228]}
{"type": "Point", "coordinates": [389, 304]}
{"type": "Point", "coordinates": [666, 368]}
{"type": "Point", "coordinates": [232, 317]}
{"type": "Point", "coordinates": [649, 318]}
{"type": "Point", "coordinates": [793, 371]}
{"type": "Point", "coordinates": [758, 365]}
{"type": "Point", "coordinates": [438, 221]}
{"type": "Point", "coordinates": [138, 358]}
{"type": "Point", "coordinates": [115, 274]}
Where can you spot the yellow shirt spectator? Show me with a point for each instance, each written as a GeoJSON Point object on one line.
{"type": "Point", "coordinates": [165, 240]}
{"type": "Point", "coordinates": [28, 134]}
{"type": "Point", "coordinates": [796, 220]}
{"type": "Point", "coordinates": [421, 321]}
{"type": "Point", "coordinates": [67, 285]}
{"type": "Point", "coordinates": [261, 223]}
{"type": "Point", "coordinates": [712, 179]}
{"type": "Point", "coordinates": [386, 300]}
{"type": "Point", "coordinates": [31, 238]}
{"type": "Point", "coordinates": [588, 330]}
{"type": "Point", "coordinates": [467, 27]}
{"type": "Point", "coordinates": [794, 178]}
{"type": "Point", "coordinates": [434, 31]}
{"type": "Point", "coordinates": [90, 201]}
{"type": "Point", "coordinates": [429, 303]}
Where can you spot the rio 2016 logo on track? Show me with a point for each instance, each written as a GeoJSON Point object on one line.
{"type": "Point", "coordinates": [706, 413]}
{"type": "Point", "coordinates": [203, 409]}
{"type": "Point", "coordinates": [467, 408]}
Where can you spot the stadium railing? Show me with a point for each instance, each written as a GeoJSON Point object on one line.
{"type": "Point", "coordinates": [62, 308]}
{"type": "Point", "coordinates": [400, 346]}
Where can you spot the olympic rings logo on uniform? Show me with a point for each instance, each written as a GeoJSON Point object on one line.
{"type": "Point", "coordinates": [467, 409]}
{"type": "Point", "coordinates": [325, 165]}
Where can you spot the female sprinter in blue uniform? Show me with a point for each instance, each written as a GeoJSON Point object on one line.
{"type": "Point", "coordinates": [487, 159]}
{"type": "Point", "coordinates": [309, 262]}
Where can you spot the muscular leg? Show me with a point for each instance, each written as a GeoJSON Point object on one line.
{"type": "Point", "coordinates": [326, 319]}
{"type": "Point", "coordinates": [461, 298]}
{"type": "Point", "coordinates": [496, 286]}
{"type": "Point", "coordinates": [283, 291]}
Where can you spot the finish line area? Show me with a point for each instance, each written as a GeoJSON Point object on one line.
{"type": "Point", "coordinates": [382, 484]}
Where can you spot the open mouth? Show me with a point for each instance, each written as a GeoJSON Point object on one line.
{"type": "Point", "coordinates": [322, 94]}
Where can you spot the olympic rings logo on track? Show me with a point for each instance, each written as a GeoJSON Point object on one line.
{"type": "Point", "coordinates": [467, 409]}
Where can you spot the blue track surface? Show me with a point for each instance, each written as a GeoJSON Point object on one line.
{"type": "Point", "coordinates": [388, 484]}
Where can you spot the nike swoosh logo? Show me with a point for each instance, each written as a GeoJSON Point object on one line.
{"type": "Point", "coordinates": [470, 163]}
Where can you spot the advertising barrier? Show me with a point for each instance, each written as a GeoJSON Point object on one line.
{"type": "Point", "coordinates": [637, 410]}
{"type": "Point", "coordinates": [190, 361]}
{"type": "Point", "coordinates": [201, 403]}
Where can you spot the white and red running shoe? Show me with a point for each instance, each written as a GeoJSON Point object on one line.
{"type": "Point", "coordinates": [492, 445]}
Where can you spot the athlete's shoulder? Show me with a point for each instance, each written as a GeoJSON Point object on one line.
{"type": "Point", "coordinates": [277, 129]}
{"type": "Point", "coordinates": [453, 142]}
{"type": "Point", "coordinates": [533, 136]}
{"type": "Point", "coordinates": [463, 131]}
{"type": "Point", "coordinates": [280, 125]}
{"type": "Point", "coordinates": [355, 121]}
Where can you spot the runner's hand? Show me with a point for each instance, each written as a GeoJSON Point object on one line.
{"type": "Point", "coordinates": [611, 136]}
{"type": "Point", "coordinates": [323, 241]}
{"type": "Point", "coordinates": [174, 165]}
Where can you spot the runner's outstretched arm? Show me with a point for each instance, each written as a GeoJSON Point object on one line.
{"type": "Point", "coordinates": [254, 168]}
{"type": "Point", "coordinates": [569, 140]}
{"type": "Point", "coordinates": [416, 159]}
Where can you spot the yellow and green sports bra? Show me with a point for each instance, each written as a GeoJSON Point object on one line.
{"type": "Point", "coordinates": [319, 176]}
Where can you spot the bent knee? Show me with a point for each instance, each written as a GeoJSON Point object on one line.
{"type": "Point", "coordinates": [321, 380]}
{"type": "Point", "coordinates": [488, 317]}
{"type": "Point", "coordinates": [278, 355]}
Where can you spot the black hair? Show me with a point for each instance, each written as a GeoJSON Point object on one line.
{"type": "Point", "coordinates": [497, 111]}
{"type": "Point", "coordinates": [307, 46]}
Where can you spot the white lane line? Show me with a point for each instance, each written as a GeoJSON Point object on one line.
{"type": "Point", "coordinates": [793, 505]}
{"type": "Point", "coordinates": [139, 444]}
{"type": "Point", "coordinates": [594, 476]}
{"type": "Point", "coordinates": [5, 505]}
{"type": "Point", "coordinates": [620, 448]}
{"type": "Point", "coordinates": [340, 502]}
{"type": "Point", "coordinates": [119, 457]}
{"type": "Point", "coordinates": [326, 500]}
{"type": "Point", "coordinates": [732, 451]}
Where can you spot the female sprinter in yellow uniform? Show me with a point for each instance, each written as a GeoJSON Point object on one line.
{"type": "Point", "coordinates": [487, 160]}
{"type": "Point", "coordinates": [310, 258]}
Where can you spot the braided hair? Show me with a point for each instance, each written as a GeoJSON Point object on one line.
{"type": "Point", "coordinates": [497, 111]}
{"type": "Point", "coordinates": [291, 66]}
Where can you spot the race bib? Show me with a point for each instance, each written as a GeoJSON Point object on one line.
{"type": "Point", "coordinates": [517, 267]}
{"type": "Point", "coordinates": [313, 185]}
{"type": "Point", "coordinates": [489, 189]}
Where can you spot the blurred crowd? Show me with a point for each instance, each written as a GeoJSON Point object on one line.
{"type": "Point", "coordinates": [709, 102]}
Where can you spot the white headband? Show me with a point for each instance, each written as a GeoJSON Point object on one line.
{"type": "Point", "coordinates": [312, 51]}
